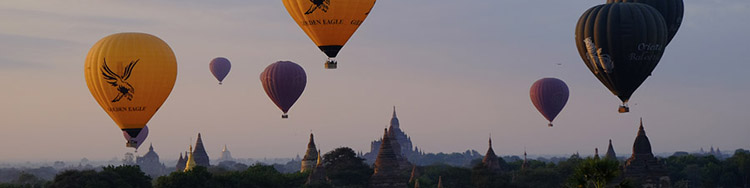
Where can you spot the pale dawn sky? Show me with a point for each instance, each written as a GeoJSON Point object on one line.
{"type": "Point", "coordinates": [455, 70]}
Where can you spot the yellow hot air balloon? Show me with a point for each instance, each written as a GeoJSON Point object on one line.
{"type": "Point", "coordinates": [329, 23]}
{"type": "Point", "coordinates": [130, 75]}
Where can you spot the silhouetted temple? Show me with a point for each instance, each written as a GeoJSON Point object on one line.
{"type": "Point", "coordinates": [401, 143]}
{"type": "Point", "coordinates": [525, 163]}
{"type": "Point", "coordinates": [150, 164]}
{"type": "Point", "coordinates": [387, 170]}
{"type": "Point", "coordinates": [610, 152]}
{"type": "Point", "coordinates": [318, 174]}
{"type": "Point", "coordinates": [491, 161]}
{"type": "Point", "coordinates": [311, 156]}
{"type": "Point", "coordinates": [181, 163]}
{"type": "Point", "coordinates": [199, 154]}
{"type": "Point", "coordinates": [642, 166]}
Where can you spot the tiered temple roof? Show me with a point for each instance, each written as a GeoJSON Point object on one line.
{"type": "Point", "coordinates": [387, 170]}
{"type": "Point", "coordinates": [311, 156]}
{"type": "Point", "coordinates": [491, 161]}
{"type": "Point", "coordinates": [643, 166]}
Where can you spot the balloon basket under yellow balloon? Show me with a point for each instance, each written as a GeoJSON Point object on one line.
{"type": "Point", "coordinates": [131, 144]}
{"type": "Point", "coordinates": [331, 64]}
{"type": "Point", "coordinates": [623, 109]}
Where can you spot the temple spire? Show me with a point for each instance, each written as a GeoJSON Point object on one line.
{"type": "Point", "coordinates": [394, 120]}
{"type": "Point", "coordinates": [610, 152]}
{"type": "Point", "coordinates": [309, 161]}
{"type": "Point", "coordinates": [596, 153]}
{"type": "Point", "coordinates": [525, 163]}
{"type": "Point", "coordinates": [190, 164]}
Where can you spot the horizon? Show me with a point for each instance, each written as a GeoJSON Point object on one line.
{"type": "Point", "coordinates": [456, 72]}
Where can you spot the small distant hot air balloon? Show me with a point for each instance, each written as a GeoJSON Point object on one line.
{"type": "Point", "coordinates": [220, 68]}
{"type": "Point", "coordinates": [135, 142]}
{"type": "Point", "coordinates": [549, 96]}
{"type": "Point", "coordinates": [130, 75]}
{"type": "Point", "coordinates": [671, 10]}
{"type": "Point", "coordinates": [284, 82]}
{"type": "Point", "coordinates": [621, 43]}
{"type": "Point", "coordinates": [329, 23]}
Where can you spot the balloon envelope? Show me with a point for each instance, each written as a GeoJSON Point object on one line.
{"type": "Point", "coordinates": [220, 68]}
{"type": "Point", "coordinates": [135, 142]}
{"type": "Point", "coordinates": [621, 43]}
{"type": "Point", "coordinates": [284, 82]}
{"type": "Point", "coordinates": [130, 75]}
{"type": "Point", "coordinates": [671, 10]}
{"type": "Point", "coordinates": [549, 96]}
{"type": "Point", "coordinates": [329, 23]}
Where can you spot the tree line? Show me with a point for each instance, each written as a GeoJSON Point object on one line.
{"type": "Point", "coordinates": [343, 168]}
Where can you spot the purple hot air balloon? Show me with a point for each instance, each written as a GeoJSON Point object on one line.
{"type": "Point", "coordinates": [220, 68]}
{"type": "Point", "coordinates": [138, 140]}
{"type": "Point", "coordinates": [284, 82]}
{"type": "Point", "coordinates": [549, 96]}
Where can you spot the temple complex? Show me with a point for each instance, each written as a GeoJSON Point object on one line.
{"type": "Point", "coordinates": [387, 170]}
{"type": "Point", "coordinates": [402, 143]}
{"type": "Point", "coordinates": [642, 166]}
{"type": "Point", "coordinates": [150, 164]}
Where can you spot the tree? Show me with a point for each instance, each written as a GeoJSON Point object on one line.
{"type": "Point", "coordinates": [594, 173]}
{"type": "Point", "coordinates": [344, 168]}
{"type": "Point", "coordinates": [121, 176]}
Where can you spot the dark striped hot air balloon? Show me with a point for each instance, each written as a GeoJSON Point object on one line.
{"type": "Point", "coordinates": [220, 68]}
{"type": "Point", "coordinates": [671, 10]}
{"type": "Point", "coordinates": [621, 43]}
{"type": "Point", "coordinates": [284, 82]}
{"type": "Point", "coordinates": [549, 96]}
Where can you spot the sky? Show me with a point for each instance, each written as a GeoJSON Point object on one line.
{"type": "Point", "coordinates": [457, 71]}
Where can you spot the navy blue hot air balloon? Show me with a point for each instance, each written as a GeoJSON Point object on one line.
{"type": "Point", "coordinates": [220, 68]}
{"type": "Point", "coordinates": [284, 82]}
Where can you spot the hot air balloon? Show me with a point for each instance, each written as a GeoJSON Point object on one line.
{"type": "Point", "coordinates": [284, 82]}
{"type": "Point", "coordinates": [671, 10]}
{"type": "Point", "coordinates": [549, 96]}
{"type": "Point", "coordinates": [220, 68]}
{"type": "Point", "coordinates": [621, 43]}
{"type": "Point", "coordinates": [135, 142]}
{"type": "Point", "coordinates": [130, 75]}
{"type": "Point", "coordinates": [329, 23]}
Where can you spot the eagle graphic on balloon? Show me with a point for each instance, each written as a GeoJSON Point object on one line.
{"type": "Point", "coordinates": [120, 82]}
{"type": "Point", "coordinates": [322, 4]}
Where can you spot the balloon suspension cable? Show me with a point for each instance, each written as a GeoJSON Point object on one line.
{"type": "Point", "coordinates": [331, 63]}
{"type": "Point", "coordinates": [284, 116]}
{"type": "Point", "coordinates": [623, 108]}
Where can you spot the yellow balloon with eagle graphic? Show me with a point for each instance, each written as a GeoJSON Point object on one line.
{"type": "Point", "coordinates": [329, 23]}
{"type": "Point", "coordinates": [130, 75]}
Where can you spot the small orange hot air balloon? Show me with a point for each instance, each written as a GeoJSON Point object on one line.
{"type": "Point", "coordinates": [329, 23]}
{"type": "Point", "coordinates": [130, 75]}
